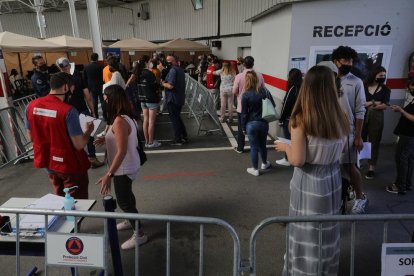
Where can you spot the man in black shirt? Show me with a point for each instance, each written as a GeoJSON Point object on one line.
{"type": "Point", "coordinates": [81, 99]}
{"type": "Point", "coordinates": [40, 78]}
{"type": "Point", "coordinates": [92, 75]}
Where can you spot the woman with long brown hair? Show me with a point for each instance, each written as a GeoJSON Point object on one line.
{"type": "Point", "coordinates": [252, 122]}
{"type": "Point", "coordinates": [123, 159]}
{"type": "Point", "coordinates": [318, 130]}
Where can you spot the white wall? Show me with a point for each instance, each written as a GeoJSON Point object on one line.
{"type": "Point", "coordinates": [270, 49]}
{"type": "Point", "coordinates": [271, 44]}
{"type": "Point", "coordinates": [398, 13]}
{"type": "Point", "coordinates": [229, 47]}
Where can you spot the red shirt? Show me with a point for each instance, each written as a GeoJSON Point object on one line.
{"type": "Point", "coordinates": [210, 76]}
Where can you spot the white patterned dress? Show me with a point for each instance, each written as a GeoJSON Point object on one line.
{"type": "Point", "coordinates": [315, 189]}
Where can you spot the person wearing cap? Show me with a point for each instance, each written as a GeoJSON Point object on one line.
{"type": "Point", "coordinates": [40, 78]}
{"type": "Point", "coordinates": [58, 140]}
{"type": "Point", "coordinates": [81, 100]}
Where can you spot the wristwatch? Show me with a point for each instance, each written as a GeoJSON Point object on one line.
{"type": "Point", "coordinates": [110, 174]}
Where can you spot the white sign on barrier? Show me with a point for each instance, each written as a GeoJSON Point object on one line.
{"type": "Point", "coordinates": [397, 259]}
{"type": "Point", "coordinates": [75, 250]}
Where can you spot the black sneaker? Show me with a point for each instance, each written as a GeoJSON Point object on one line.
{"type": "Point", "coordinates": [370, 175]}
{"type": "Point", "coordinates": [184, 140]}
{"type": "Point", "coordinates": [393, 189]}
{"type": "Point", "coordinates": [177, 143]}
{"type": "Point", "coordinates": [237, 150]}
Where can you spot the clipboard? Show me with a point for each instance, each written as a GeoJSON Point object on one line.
{"type": "Point", "coordinates": [83, 119]}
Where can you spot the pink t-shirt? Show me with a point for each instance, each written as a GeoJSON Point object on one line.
{"type": "Point", "coordinates": [238, 86]}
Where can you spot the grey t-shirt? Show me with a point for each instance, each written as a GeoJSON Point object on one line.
{"type": "Point", "coordinates": [353, 98]}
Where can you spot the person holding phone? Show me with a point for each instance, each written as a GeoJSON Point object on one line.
{"type": "Point", "coordinates": [377, 96]}
{"type": "Point", "coordinates": [318, 127]}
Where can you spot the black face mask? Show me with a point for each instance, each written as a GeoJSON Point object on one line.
{"type": "Point", "coordinates": [169, 64]}
{"type": "Point", "coordinates": [43, 67]}
{"type": "Point", "coordinates": [411, 92]}
{"type": "Point", "coordinates": [67, 94]}
{"type": "Point", "coordinates": [344, 69]}
{"type": "Point", "coordinates": [380, 80]}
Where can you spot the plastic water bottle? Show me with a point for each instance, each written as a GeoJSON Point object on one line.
{"type": "Point", "coordinates": [69, 202]}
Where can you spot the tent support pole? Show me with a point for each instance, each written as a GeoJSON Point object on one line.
{"type": "Point", "coordinates": [73, 18]}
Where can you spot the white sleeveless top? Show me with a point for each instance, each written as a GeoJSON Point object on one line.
{"type": "Point", "coordinates": [131, 163]}
{"type": "Point", "coordinates": [322, 151]}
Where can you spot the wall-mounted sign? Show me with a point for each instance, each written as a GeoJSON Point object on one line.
{"type": "Point", "coordinates": [131, 53]}
{"type": "Point", "coordinates": [397, 259]}
{"type": "Point", "coordinates": [298, 63]}
{"type": "Point", "coordinates": [351, 30]}
{"type": "Point", "coordinates": [75, 250]}
{"type": "Point", "coordinates": [369, 56]}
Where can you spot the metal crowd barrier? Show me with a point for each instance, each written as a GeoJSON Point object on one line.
{"type": "Point", "coordinates": [201, 102]}
{"type": "Point", "coordinates": [22, 103]}
{"type": "Point", "coordinates": [385, 218]}
{"type": "Point", "coordinates": [202, 221]}
{"type": "Point", "coordinates": [14, 142]}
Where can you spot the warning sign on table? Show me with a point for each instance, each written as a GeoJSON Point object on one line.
{"type": "Point", "coordinates": [75, 250]}
{"type": "Point", "coordinates": [397, 259]}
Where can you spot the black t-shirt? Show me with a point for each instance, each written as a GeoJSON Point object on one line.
{"type": "Point", "coordinates": [382, 95]}
{"type": "Point", "coordinates": [147, 87]}
{"type": "Point", "coordinates": [77, 99]}
{"type": "Point", "coordinates": [406, 127]}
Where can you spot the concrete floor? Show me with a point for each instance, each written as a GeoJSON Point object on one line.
{"type": "Point", "coordinates": [207, 178]}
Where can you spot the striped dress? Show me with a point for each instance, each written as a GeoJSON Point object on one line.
{"type": "Point", "coordinates": [315, 189]}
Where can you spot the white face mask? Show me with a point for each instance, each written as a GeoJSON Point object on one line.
{"type": "Point", "coordinates": [150, 65]}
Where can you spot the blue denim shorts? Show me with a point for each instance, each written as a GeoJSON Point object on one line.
{"type": "Point", "coordinates": [150, 105]}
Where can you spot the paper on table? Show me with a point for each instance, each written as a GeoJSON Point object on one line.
{"type": "Point", "coordinates": [84, 119]}
{"type": "Point", "coordinates": [283, 140]}
{"type": "Point", "coordinates": [34, 222]}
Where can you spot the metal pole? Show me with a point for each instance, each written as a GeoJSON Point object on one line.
{"type": "Point", "coordinates": [94, 27]}
{"type": "Point", "coordinates": [73, 18]}
{"type": "Point", "coordinates": [1, 26]}
{"type": "Point", "coordinates": [110, 205]}
{"type": "Point", "coordinates": [38, 6]}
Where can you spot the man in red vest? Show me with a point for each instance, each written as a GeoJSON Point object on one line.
{"type": "Point", "coordinates": [58, 139]}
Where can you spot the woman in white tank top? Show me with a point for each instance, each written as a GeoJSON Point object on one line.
{"type": "Point", "coordinates": [123, 159]}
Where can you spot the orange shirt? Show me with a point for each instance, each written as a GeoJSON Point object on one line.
{"type": "Point", "coordinates": [106, 74]}
{"type": "Point", "coordinates": [156, 72]}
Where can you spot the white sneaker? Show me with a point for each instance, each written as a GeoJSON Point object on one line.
{"type": "Point", "coordinates": [155, 144]}
{"type": "Point", "coordinates": [253, 171]}
{"type": "Point", "coordinates": [283, 162]}
{"type": "Point", "coordinates": [360, 205]}
{"type": "Point", "coordinates": [102, 134]}
{"type": "Point", "coordinates": [124, 225]}
{"type": "Point", "coordinates": [129, 244]}
{"type": "Point", "coordinates": [265, 166]}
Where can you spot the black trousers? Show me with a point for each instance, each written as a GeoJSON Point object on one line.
{"type": "Point", "coordinates": [240, 134]}
{"type": "Point", "coordinates": [125, 197]}
{"type": "Point", "coordinates": [97, 95]}
{"type": "Point", "coordinates": [174, 111]}
{"type": "Point", "coordinates": [404, 160]}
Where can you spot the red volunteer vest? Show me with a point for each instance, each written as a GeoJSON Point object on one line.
{"type": "Point", "coordinates": [210, 76]}
{"type": "Point", "coordinates": [52, 146]}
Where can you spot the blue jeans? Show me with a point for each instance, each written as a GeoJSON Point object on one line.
{"type": "Point", "coordinates": [257, 133]}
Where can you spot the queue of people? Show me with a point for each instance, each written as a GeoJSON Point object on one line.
{"type": "Point", "coordinates": [326, 115]}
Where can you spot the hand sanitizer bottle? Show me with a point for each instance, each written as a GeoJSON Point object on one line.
{"type": "Point", "coordinates": [69, 202]}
